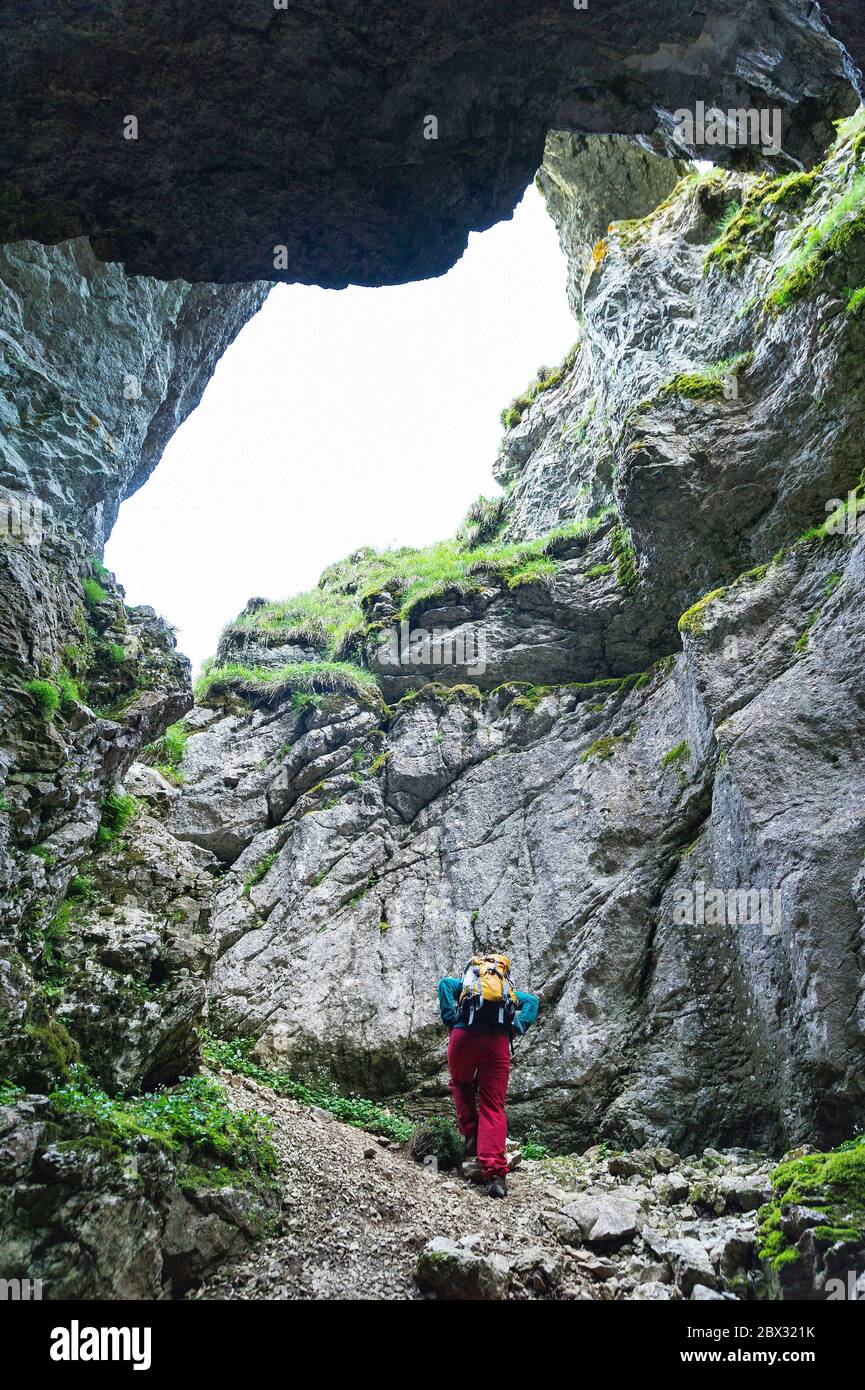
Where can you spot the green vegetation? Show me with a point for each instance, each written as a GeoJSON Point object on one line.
{"type": "Point", "coordinates": [707, 385]}
{"type": "Point", "coordinates": [166, 753]}
{"type": "Point", "coordinates": [332, 617]}
{"type": "Point", "coordinates": [546, 379]}
{"type": "Point", "coordinates": [816, 246]}
{"type": "Point", "coordinates": [46, 695]}
{"type": "Point", "coordinates": [259, 872]}
{"type": "Point", "coordinates": [532, 1149]}
{"type": "Point", "coordinates": [831, 1183]}
{"type": "Point", "coordinates": [483, 521]}
{"type": "Point", "coordinates": [94, 594]}
{"type": "Point", "coordinates": [117, 812]}
{"type": "Point", "coordinates": [625, 558]}
{"type": "Point", "coordinates": [270, 687]}
{"type": "Point", "coordinates": [115, 653]}
{"type": "Point", "coordinates": [352, 1110]}
{"type": "Point", "coordinates": [603, 748]}
{"type": "Point", "coordinates": [691, 621]}
{"type": "Point", "coordinates": [437, 1138]}
{"type": "Point", "coordinates": [192, 1120]}
{"type": "Point", "coordinates": [67, 688]}
{"type": "Point", "coordinates": [597, 571]}
{"type": "Point", "coordinates": [53, 1049]}
{"type": "Point", "coordinates": [856, 300]}
{"type": "Point", "coordinates": [676, 756]}
{"type": "Point", "coordinates": [540, 571]}
{"type": "Point", "coordinates": [802, 641]}
{"type": "Point", "coordinates": [749, 226]}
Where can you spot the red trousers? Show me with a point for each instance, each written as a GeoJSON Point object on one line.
{"type": "Point", "coordinates": [482, 1058]}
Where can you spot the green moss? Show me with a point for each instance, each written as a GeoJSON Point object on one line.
{"type": "Point", "coordinates": [692, 619]}
{"type": "Point", "coordinates": [856, 300]}
{"type": "Point", "coordinates": [750, 228]}
{"type": "Point", "coordinates": [46, 695]}
{"type": "Point", "coordinates": [625, 558]}
{"type": "Point", "coordinates": [603, 748]}
{"type": "Point", "coordinates": [351, 1110]}
{"type": "Point", "coordinates": [831, 1183]}
{"type": "Point", "coordinates": [115, 653]}
{"type": "Point", "coordinates": [597, 571]}
{"type": "Point", "coordinates": [818, 245]}
{"type": "Point", "coordinates": [54, 1049]}
{"type": "Point", "coordinates": [676, 756]}
{"type": "Point", "coordinates": [709, 384]}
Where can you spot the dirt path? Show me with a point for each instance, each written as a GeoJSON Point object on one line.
{"type": "Point", "coordinates": [357, 1213]}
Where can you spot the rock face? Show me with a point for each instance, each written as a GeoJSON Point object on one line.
{"type": "Point", "coordinates": [341, 96]}
{"type": "Point", "coordinates": [104, 915]}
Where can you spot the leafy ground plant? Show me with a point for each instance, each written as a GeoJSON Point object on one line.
{"type": "Point", "coordinates": [352, 1110]}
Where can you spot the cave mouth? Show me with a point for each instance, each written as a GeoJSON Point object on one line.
{"type": "Point", "coordinates": [343, 418]}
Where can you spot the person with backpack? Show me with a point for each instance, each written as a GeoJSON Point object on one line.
{"type": "Point", "coordinates": [483, 1012]}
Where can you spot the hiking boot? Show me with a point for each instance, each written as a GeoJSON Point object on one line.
{"type": "Point", "coordinates": [496, 1187]}
{"type": "Point", "coordinates": [470, 1146]}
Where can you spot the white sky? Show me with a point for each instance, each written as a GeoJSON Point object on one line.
{"type": "Point", "coordinates": [342, 418]}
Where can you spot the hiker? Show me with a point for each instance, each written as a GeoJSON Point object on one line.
{"type": "Point", "coordinates": [483, 1011]}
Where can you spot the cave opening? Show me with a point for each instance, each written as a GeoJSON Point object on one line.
{"type": "Point", "coordinates": [339, 419]}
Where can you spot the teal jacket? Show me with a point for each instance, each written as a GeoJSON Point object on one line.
{"type": "Point", "coordinates": [449, 996]}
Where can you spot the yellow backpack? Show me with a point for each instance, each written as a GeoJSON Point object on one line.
{"type": "Point", "coordinates": [487, 995]}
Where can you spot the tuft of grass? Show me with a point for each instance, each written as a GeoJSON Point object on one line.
{"type": "Point", "coordinates": [117, 811]}
{"type": "Point", "coordinates": [437, 1138]}
{"type": "Point", "coordinates": [803, 640]}
{"type": "Point", "coordinates": [539, 571]}
{"type": "Point", "coordinates": [483, 521]}
{"type": "Point", "coordinates": [46, 695]}
{"type": "Point", "coordinates": [168, 749]}
{"type": "Point", "coordinates": [67, 688]}
{"type": "Point", "coordinates": [262, 868]}
{"type": "Point", "coordinates": [271, 687]}
{"type": "Point", "coordinates": [855, 300]}
{"type": "Point", "coordinates": [94, 594]}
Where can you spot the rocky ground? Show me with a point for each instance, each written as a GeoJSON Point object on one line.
{"type": "Point", "coordinates": [361, 1219]}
